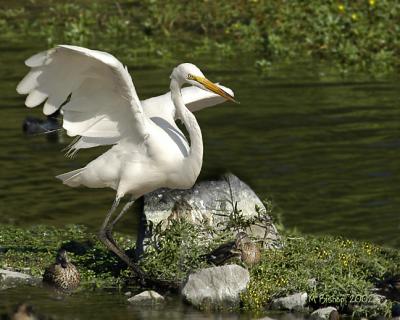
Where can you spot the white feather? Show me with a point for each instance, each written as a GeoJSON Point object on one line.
{"type": "Point", "coordinates": [103, 103]}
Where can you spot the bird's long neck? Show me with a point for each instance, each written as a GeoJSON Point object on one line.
{"type": "Point", "coordinates": [195, 158]}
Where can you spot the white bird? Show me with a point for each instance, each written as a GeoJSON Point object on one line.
{"type": "Point", "coordinates": [101, 107]}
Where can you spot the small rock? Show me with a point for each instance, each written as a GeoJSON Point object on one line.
{"type": "Point", "coordinates": [294, 302]}
{"type": "Point", "coordinates": [10, 279]}
{"type": "Point", "coordinates": [312, 283]}
{"type": "Point", "coordinates": [377, 299]}
{"type": "Point", "coordinates": [374, 301]}
{"type": "Point", "coordinates": [216, 287]}
{"type": "Point", "coordinates": [323, 313]}
{"type": "Point", "coordinates": [147, 297]}
{"type": "Point", "coordinates": [128, 293]}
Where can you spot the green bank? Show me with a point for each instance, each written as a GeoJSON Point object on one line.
{"type": "Point", "coordinates": [350, 35]}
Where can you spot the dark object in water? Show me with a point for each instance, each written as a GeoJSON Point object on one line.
{"type": "Point", "coordinates": [49, 126]}
{"type": "Point", "coordinates": [396, 310]}
{"type": "Point", "coordinates": [62, 274]}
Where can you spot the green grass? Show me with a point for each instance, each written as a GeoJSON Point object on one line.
{"type": "Point", "coordinates": [345, 272]}
{"type": "Point", "coordinates": [351, 35]}
{"type": "Point", "coordinates": [36, 248]}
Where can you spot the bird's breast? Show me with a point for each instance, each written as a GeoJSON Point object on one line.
{"type": "Point", "coordinates": [166, 148]}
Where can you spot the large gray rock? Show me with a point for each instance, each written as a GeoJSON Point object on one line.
{"type": "Point", "coordinates": [10, 279]}
{"type": "Point", "coordinates": [216, 287]}
{"type": "Point", "coordinates": [323, 313]}
{"type": "Point", "coordinates": [148, 297]}
{"type": "Point", "coordinates": [208, 203]}
{"type": "Point", "coordinates": [294, 302]}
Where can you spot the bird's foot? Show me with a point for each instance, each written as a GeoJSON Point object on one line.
{"type": "Point", "coordinates": [141, 277]}
{"type": "Point", "coordinates": [106, 238]}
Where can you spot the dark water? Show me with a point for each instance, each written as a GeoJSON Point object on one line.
{"type": "Point", "coordinates": [324, 148]}
{"type": "Point", "coordinates": [101, 305]}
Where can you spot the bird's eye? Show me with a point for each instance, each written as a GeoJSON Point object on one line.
{"type": "Point", "coordinates": [190, 77]}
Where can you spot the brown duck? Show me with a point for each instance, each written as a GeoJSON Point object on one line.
{"type": "Point", "coordinates": [62, 274]}
{"type": "Point", "coordinates": [23, 312]}
{"type": "Point", "coordinates": [242, 247]}
{"type": "Point", "coordinates": [249, 252]}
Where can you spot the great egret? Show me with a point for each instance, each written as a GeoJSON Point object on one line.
{"type": "Point", "coordinates": [149, 151]}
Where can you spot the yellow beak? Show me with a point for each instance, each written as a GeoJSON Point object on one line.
{"type": "Point", "coordinates": [214, 88]}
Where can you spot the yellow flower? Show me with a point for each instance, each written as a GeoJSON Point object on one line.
{"type": "Point", "coordinates": [341, 7]}
{"type": "Point", "coordinates": [354, 17]}
{"type": "Point", "coordinates": [371, 3]}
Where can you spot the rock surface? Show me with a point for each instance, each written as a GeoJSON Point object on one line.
{"type": "Point", "coordinates": [148, 297]}
{"type": "Point", "coordinates": [208, 203]}
{"type": "Point", "coordinates": [216, 287]}
{"type": "Point", "coordinates": [323, 313]}
{"type": "Point", "coordinates": [294, 302]}
{"type": "Point", "coordinates": [10, 279]}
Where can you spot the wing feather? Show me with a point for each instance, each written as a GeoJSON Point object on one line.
{"type": "Point", "coordinates": [34, 98]}
{"type": "Point", "coordinates": [103, 105]}
{"type": "Point", "coordinates": [194, 98]}
{"type": "Point", "coordinates": [103, 102]}
{"type": "Point", "coordinates": [159, 106]}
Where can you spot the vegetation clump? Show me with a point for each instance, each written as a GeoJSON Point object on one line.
{"type": "Point", "coordinates": [36, 247]}
{"type": "Point", "coordinates": [176, 251]}
{"type": "Point", "coordinates": [333, 271]}
{"type": "Point", "coordinates": [353, 35]}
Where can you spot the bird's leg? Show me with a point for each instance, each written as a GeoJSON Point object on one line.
{"type": "Point", "coordinates": [106, 221]}
{"type": "Point", "coordinates": [105, 236]}
{"type": "Point", "coordinates": [110, 226]}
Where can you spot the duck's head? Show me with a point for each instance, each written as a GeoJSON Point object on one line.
{"type": "Point", "coordinates": [62, 258]}
{"type": "Point", "coordinates": [241, 238]}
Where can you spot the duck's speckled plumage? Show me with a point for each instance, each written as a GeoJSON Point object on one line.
{"type": "Point", "coordinates": [242, 247]}
{"type": "Point", "coordinates": [249, 252]}
{"type": "Point", "coordinates": [62, 274]}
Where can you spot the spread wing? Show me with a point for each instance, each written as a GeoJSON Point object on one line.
{"type": "Point", "coordinates": [197, 99]}
{"type": "Point", "coordinates": [161, 106]}
{"type": "Point", "coordinates": [194, 98]}
{"type": "Point", "coordinates": [103, 106]}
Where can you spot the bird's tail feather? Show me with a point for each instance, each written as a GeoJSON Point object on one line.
{"type": "Point", "coordinates": [71, 178]}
